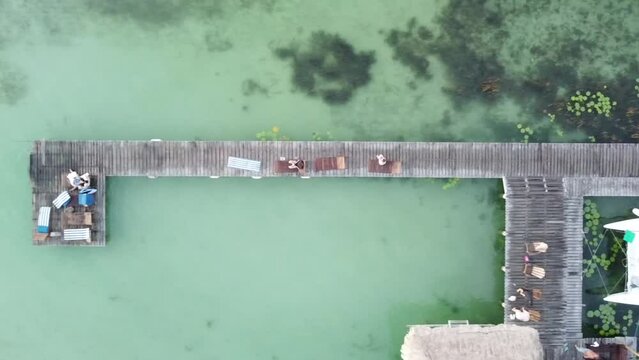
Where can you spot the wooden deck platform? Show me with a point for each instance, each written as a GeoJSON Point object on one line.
{"type": "Point", "coordinates": [544, 189]}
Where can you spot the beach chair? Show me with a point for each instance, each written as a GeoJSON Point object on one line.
{"type": "Point", "coordinates": [536, 247]}
{"type": "Point", "coordinates": [244, 164]}
{"type": "Point", "coordinates": [62, 200]}
{"type": "Point", "coordinates": [536, 271]}
{"type": "Point", "coordinates": [330, 163]}
{"type": "Point", "coordinates": [42, 230]}
{"type": "Point", "coordinates": [391, 167]}
{"type": "Point", "coordinates": [44, 215]}
{"type": "Point", "coordinates": [535, 315]}
{"type": "Point", "coordinates": [83, 234]}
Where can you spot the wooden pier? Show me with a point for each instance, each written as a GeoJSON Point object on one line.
{"type": "Point", "coordinates": [544, 188]}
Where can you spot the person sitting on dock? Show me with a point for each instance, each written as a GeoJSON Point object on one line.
{"type": "Point", "coordinates": [587, 353]}
{"type": "Point", "coordinates": [85, 181]}
{"type": "Point", "coordinates": [381, 159]}
{"type": "Point", "coordinates": [521, 315]}
{"type": "Point", "coordinates": [74, 179]}
{"type": "Point", "coordinates": [296, 164]}
{"type": "Point", "coordinates": [525, 293]}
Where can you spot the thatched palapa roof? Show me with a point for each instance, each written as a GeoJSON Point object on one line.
{"type": "Point", "coordinates": [500, 342]}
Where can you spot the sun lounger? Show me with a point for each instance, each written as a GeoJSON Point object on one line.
{"type": "Point", "coordinates": [391, 167]}
{"type": "Point", "coordinates": [330, 163]}
{"type": "Point", "coordinates": [536, 271]}
{"type": "Point", "coordinates": [44, 216]}
{"type": "Point", "coordinates": [244, 164]}
{"type": "Point", "coordinates": [536, 247]}
{"type": "Point", "coordinates": [83, 234]}
{"type": "Point", "coordinates": [62, 200]}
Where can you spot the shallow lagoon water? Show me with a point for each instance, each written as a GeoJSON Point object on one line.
{"type": "Point", "coordinates": [269, 269]}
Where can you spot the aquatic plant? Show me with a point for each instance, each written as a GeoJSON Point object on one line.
{"type": "Point", "coordinates": [410, 47]}
{"type": "Point", "coordinates": [451, 183]}
{"type": "Point", "coordinates": [558, 129]}
{"type": "Point", "coordinates": [526, 132]}
{"type": "Point", "coordinates": [594, 237]}
{"type": "Point", "coordinates": [609, 324]}
{"type": "Point", "coordinates": [328, 67]}
{"type": "Point", "coordinates": [273, 134]}
{"type": "Point", "coordinates": [327, 136]}
{"type": "Point", "coordinates": [591, 102]}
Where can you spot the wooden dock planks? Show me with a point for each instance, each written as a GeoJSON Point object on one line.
{"type": "Point", "coordinates": [544, 189]}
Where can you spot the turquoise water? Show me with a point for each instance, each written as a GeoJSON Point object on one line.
{"type": "Point", "coordinates": [283, 269]}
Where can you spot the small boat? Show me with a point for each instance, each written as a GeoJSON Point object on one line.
{"type": "Point", "coordinates": [631, 294]}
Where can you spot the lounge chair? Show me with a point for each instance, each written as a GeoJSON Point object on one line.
{"type": "Point", "coordinates": [390, 167]}
{"type": "Point", "coordinates": [330, 163]}
{"type": "Point", "coordinates": [62, 200]}
{"type": "Point", "coordinates": [536, 271]}
{"type": "Point", "coordinates": [536, 247]}
{"type": "Point", "coordinates": [244, 164]}
{"type": "Point", "coordinates": [44, 217]}
{"type": "Point", "coordinates": [83, 234]}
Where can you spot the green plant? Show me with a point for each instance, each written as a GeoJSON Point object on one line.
{"type": "Point", "coordinates": [271, 135]}
{"type": "Point", "coordinates": [558, 130]}
{"type": "Point", "coordinates": [526, 131]}
{"type": "Point", "coordinates": [327, 136]}
{"type": "Point", "coordinates": [590, 102]}
{"type": "Point", "coordinates": [609, 325]}
{"type": "Point", "coordinates": [593, 238]}
{"type": "Point", "coordinates": [451, 183]}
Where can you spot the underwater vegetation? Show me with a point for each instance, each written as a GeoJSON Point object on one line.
{"type": "Point", "coordinates": [156, 13]}
{"type": "Point", "coordinates": [410, 47]}
{"type": "Point", "coordinates": [328, 67]}
{"type": "Point", "coordinates": [493, 50]}
{"type": "Point", "coordinates": [609, 325]}
{"type": "Point", "coordinates": [591, 102]}
{"type": "Point", "coordinates": [215, 42]}
{"type": "Point", "coordinates": [600, 250]}
{"type": "Point", "coordinates": [13, 84]}
{"type": "Point", "coordinates": [252, 87]}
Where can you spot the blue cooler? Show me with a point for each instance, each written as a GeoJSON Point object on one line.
{"type": "Point", "coordinates": [87, 197]}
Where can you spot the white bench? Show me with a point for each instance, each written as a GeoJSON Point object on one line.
{"type": "Point", "coordinates": [83, 234]}
{"type": "Point", "coordinates": [62, 199]}
{"type": "Point", "coordinates": [43, 219]}
{"type": "Point", "coordinates": [244, 164]}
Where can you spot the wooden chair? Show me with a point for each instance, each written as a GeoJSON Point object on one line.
{"type": "Point", "coordinates": [535, 315]}
{"type": "Point", "coordinates": [390, 167]}
{"type": "Point", "coordinates": [330, 163]}
{"type": "Point", "coordinates": [536, 294]}
{"type": "Point", "coordinates": [536, 271]}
